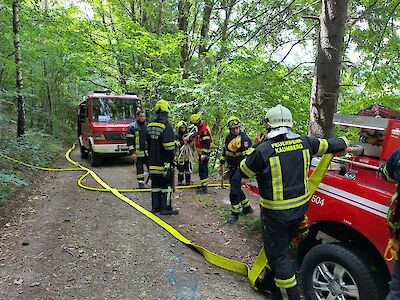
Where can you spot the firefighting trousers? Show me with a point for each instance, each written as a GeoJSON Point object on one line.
{"type": "Point", "coordinates": [203, 171]}
{"type": "Point", "coordinates": [276, 238]}
{"type": "Point", "coordinates": [140, 162]}
{"type": "Point", "coordinates": [184, 170]}
{"type": "Point", "coordinates": [394, 285]}
{"type": "Point", "coordinates": [236, 194]}
{"type": "Point", "coordinates": [161, 193]}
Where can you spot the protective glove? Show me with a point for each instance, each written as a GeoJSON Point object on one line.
{"type": "Point", "coordinates": [303, 230]}
{"type": "Point", "coordinates": [167, 167]}
{"type": "Point", "coordinates": [392, 250]}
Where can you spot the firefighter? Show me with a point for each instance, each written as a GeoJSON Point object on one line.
{"type": "Point", "coordinates": [161, 147]}
{"type": "Point", "coordinates": [281, 164]}
{"type": "Point", "coordinates": [234, 150]}
{"type": "Point", "coordinates": [184, 154]}
{"type": "Point", "coordinates": [391, 172]}
{"type": "Point", "coordinates": [202, 140]}
{"type": "Point", "coordinates": [137, 146]}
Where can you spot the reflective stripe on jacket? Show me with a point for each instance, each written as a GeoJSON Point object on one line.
{"type": "Point", "coordinates": [161, 143]}
{"type": "Point", "coordinates": [203, 139]}
{"type": "Point", "coordinates": [281, 167]}
{"type": "Point", "coordinates": [136, 138]}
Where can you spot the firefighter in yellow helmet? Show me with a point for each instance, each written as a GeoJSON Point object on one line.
{"type": "Point", "coordinates": [161, 148]}
{"type": "Point", "coordinates": [202, 140]}
{"type": "Point", "coordinates": [280, 165]}
{"type": "Point", "coordinates": [234, 150]}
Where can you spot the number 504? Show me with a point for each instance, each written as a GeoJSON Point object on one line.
{"type": "Point", "coordinates": [318, 200]}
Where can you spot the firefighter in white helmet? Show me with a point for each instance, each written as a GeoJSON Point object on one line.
{"type": "Point", "coordinates": [235, 149]}
{"type": "Point", "coordinates": [281, 164]}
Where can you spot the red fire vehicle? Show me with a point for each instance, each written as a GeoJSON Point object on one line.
{"type": "Point", "coordinates": [103, 120]}
{"type": "Point", "coordinates": [342, 257]}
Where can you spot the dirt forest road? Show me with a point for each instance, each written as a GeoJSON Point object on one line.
{"type": "Point", "coordinates": [64, 242]}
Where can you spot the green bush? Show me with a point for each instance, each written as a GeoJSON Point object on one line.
{"type": "Point", "coordinates": [34, 147]}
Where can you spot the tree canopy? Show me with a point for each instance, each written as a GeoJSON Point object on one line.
{"type": "Point", "coordinates": [216, 57]}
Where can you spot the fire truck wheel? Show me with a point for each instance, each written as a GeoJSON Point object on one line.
{"type": "Point", "coordinates": [334, 271]}
{"type": "Point", "coordinates": [84, 153]}
{"type": "Point", "coordinates": [94, 158]}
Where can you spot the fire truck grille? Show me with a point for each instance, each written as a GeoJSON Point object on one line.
{"type": "Point", "coordinates": [115, 136]}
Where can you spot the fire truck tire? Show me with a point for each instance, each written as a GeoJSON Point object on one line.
{"type": "Point", "coordinates": [94, 158]}
{"type": "Point", "coordinates": [84, 152]}
{"type": "Point", "coordinates": [334, 271]}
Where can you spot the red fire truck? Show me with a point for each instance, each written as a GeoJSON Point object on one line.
{"type": "Point", "coordinates": [342, 257]}
{"type": "Point", "coordinates": [103, 120]}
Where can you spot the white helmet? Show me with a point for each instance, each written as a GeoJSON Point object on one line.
{"type": "Point", "coordinates": [279, 116]}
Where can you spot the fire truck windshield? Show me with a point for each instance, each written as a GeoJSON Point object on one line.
{"type": "Point", "coordinates": [114, 109]}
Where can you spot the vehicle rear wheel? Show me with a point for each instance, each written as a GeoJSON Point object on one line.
{"type": "Point", "coordinates": [94, 158]}
{"type": "Point", "coordinates": [334, 271]}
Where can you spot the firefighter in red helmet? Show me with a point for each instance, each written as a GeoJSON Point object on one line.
{"type": "Point", "coordinates": [202, 140]}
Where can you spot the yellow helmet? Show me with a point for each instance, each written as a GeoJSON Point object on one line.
{"type": "Point", "coordinates": [162, 105]}
{"type": "Point", "coordinates": [195, 118]}
{"type": "Point", "coordinates": [279, 116]}
{"type": "Point", "coordinates": [181, 123]}
{"type": "Point", "coordinates": [233, 122]}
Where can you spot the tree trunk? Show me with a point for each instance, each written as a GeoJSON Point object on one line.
{"type": "Point", "coordinates": [205, 27]}
{"type": "Point", "coordinates": [18, 72]}
{"type": "Point", "coordinates": [133, 10]}
{"type": "Point", "coordinates": [183, 7]}
{"type": "Point", "coordinates": [48, 97]}
{"type": "Point", "coordinates": [325, 87]}
{"type": "Point", "coordinates": [228, 8]}
{"type": "Point", "coordinates": [160, 17]}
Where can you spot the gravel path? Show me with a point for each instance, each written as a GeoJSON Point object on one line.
{"type": "Point", "coordinates": [64, 242]}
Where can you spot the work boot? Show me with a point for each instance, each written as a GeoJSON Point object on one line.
{"type": "Point", "coordinates": [180, 179]}
{"type": "Point", "coordinates": [141, 184]}
{"type": "Point", "coordinates": [155, 202]}
{"type": "Point", "coordinates": [166, 209]}
{"type": "Point", "coordinates": [266, 284]}
{"type": "Point", "coordinates": [169, 211]}
{"type": "Point", "coordinates": [202, 190]}
{"type": "Point", "coordinates": [247, 210]}
{"type": "Point", "coordinates": [233, 218]}
{"type": "Point", "coordinates": [188, 179]}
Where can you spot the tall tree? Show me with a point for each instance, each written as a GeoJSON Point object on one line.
{"type": "Point", "coordinates": [184, 8]}
{"type": "Point", "coordinates": [18, 71]}
{"type": "Point", "coordinates": [325, 87]}
{"type": "Point", "coordinates": [205, 27]}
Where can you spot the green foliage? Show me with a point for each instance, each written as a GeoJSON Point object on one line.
{"type": "Point", "coordinates": [35, 148]}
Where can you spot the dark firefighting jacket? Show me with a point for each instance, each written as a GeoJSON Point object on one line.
{"type": "Point", "coordinates": [203, 139]}
{"type": "Point", "coordinates": [161, 143]}
{"type": "Point", "coordinates": [391, 171]}
{"type": "Point", "coordinates": [136, 138]}
{"type": "Point", "coordinates": [235, 149]}
{"type": "Point", "coordinates": [281, 167]}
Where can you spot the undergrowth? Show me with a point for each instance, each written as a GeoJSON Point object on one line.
{"type": "Point", "coordinates": [34, 147]}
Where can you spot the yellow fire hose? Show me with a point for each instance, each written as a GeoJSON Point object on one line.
{"type": "Point", "coordinates": [229, 264]}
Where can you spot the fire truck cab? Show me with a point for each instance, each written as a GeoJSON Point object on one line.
{"type": "Point", "coordinates": [103, 120]}
{"type": "Point", "coordinates": [342, 257]}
